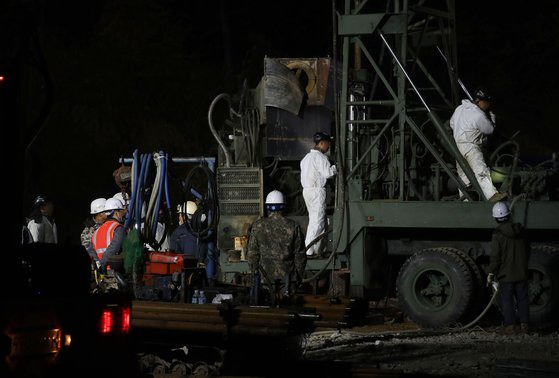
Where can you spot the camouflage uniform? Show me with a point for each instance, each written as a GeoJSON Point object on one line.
{"type": "Point", "coordinates": [276, 245]}
{"type": "Point", "coordinates": [87, 233]}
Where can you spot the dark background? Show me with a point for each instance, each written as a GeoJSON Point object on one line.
{"type": "Point", "coordinates": [140, 74]}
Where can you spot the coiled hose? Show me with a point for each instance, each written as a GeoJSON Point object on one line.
{"type": "Point", "coordinates": [209, 206]}
{"type": "Point", "coordinates": [133, 184]}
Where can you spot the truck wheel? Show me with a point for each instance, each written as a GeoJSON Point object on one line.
{"type": "Point", "coordinates": [479, 298]}
{"type": "Point", "coordinates": [543, 286]}
{"type": "Point", "coordinates": [434, 287]}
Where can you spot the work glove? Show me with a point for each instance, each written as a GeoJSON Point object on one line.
{"type": "Point", "coordinates": [490, 278]}
{"type": "Point", "coordinates": [334, 169]}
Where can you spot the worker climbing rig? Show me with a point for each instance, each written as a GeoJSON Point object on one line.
{"type": "Point", "coordinates": [393, 208]}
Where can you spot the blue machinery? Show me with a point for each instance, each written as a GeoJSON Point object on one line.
{"type": "Point", "coordinates": [147, 210]}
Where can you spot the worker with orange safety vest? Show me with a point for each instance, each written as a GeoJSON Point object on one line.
{"type": "Point", "coordinates": [107, 240]}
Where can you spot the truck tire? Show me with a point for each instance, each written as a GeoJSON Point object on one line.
{"type": "Point", "coordinates": [479, 298]}
{"type": "Point", "coordinates": [434, 287]}
{"type": "Point", "coordinates": [543, 286]}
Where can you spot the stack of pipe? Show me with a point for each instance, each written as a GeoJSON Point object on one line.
{"type": "Point", "coordinates": [261, 321]}
{"type": "Point", "coordinates": [339, 313]}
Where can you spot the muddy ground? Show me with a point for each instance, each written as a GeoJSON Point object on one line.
{"type": "Point", "coordinates": [477, 352]}
{"type": "Point", "coordinates": [402, 348]}
{"type": "Point", "coordinates": [390, 345]}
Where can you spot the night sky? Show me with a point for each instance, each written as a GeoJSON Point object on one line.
{"type": "Point", "coordinates": [141, 74]}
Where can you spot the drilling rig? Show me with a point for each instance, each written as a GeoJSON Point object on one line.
{"type": "Point", "coordinates": [396, 224]}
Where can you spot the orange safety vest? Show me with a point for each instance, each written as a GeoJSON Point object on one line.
{"type": "Point", "coordinates": [103, 236]}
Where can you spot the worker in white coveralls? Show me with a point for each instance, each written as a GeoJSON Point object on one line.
{"type": "Point", "coordinates": [315, 170]}
{"type": "Point", "coordinates": [471, 123]}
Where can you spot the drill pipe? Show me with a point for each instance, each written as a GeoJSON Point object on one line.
{"type": "Point", "coordinates": [211, 318]}
{"type": "Point", "coordinates": [210, 328]}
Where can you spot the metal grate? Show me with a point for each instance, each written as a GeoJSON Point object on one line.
{"type": "Point", "coordinates": [239, 191]}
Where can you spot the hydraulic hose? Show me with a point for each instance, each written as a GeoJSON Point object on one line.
{"type": "Point", "coordinates": [159, 193]}
{"type": "Point", "coordinates": [160, 188]}
{"type": "Point", "coordinates": [153, 198]}
{"type": "Point", "coordinates": [168, 218]}
{"type": "Point", "coordinates": [133, 183]}
{"type": "Point", "coordinates": [141, 184]}
{"type": "Point", "coordinates": [147, 158]}
{"type": "Point", "coordinates": [135, 196]}
{"type": "Point", "coordinates": [495, 287]}
{"type": "Point", "coordinates": [212, 128]}
{"type": "Point", "coordinates": [167, 196]}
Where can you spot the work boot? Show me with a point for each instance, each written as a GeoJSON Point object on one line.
{"type": "Point", "coordinates": [498, 196]}
{"type": "Point", "coordinates": [524, 328]}
{"type": "Point", "coordinates": [508, 330]}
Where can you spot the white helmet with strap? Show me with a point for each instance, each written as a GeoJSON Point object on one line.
{"type": "Point", "coordinates": [500, 210]}
{"type": "Point", "coordinates": [113, 204]}
{"type": "Point", "coordinates": [275, 200]}
{"type": "Point", "coordinates": [97, 206]}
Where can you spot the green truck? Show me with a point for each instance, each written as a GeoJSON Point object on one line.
{"type": "Point", "coordinates": [396, 224]}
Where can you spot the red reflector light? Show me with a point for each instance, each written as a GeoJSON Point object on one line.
{"type": "Point", "coordinates": [106, 321]}
{"type": "Point", "coordinates": [125, 321]}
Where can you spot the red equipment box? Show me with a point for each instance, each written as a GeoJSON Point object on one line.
{"type": "Point", "coordinates": [164, 263]}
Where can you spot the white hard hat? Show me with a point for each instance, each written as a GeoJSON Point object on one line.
{"type": "Point", "coordinates": [113, 204]}
{"type": "Point", "coordinates": [124, 199]}
{"type": "Point", "coordinates": [191, 207]}
{"type": "Point", "coordinates": [97, 206]}
{"type": "Point", "coordinates": [275, 197]}
{"type": "Point", "coordinates": [500, 210]}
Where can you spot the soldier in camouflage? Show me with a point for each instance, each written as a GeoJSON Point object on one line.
{"type": "Point", "coordinates": [97, 210]}
{"type": "Point", "coordinates": [276, 244]}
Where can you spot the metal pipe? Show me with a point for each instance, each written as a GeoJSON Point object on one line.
{"type": "Point", "coordinates": [179, 160]}
{"type": "Point", "coordinates": [212, 129]}
{"type": "Point", "coordinates": [403, 70]}
{"type": "Point", "coordinates": [455, 75]}
{"type": "Point", "coordinates": [175, 325]}
{"type": "Point", "coordinates": [258, 331]}
{"type": "Point", "coordinates": [366, 121]}
{"type": "Point", "coordinates": [162, 306]}
{"type": "Point", "coordinates": [375, 141]}
{"type": "Point", "coordinates": [178, 317]}
{"type": "Point", "coordinates": [372, 102]}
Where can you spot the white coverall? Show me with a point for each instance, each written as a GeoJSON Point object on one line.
{"type": "Point", "coordinates": [315, 170]}
{"type": "Point", "coordinates": [44, 232]}
{"type": "Point", "coordinates": [470, 126]}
